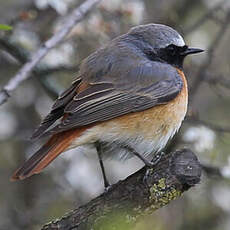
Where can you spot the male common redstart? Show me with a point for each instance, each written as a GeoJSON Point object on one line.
{"type": "Point", "coordinates": [129, 98]}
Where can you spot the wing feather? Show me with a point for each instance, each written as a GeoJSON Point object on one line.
{"type": "Point", "coordinates": [57, 110]}
{"type": "Point", "coordinates": [143, 87]}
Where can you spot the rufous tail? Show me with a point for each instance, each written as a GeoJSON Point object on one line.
{"type": "Point", "coordinates": [57, 144]}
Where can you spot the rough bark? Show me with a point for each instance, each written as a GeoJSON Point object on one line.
{"type": "Point", "coordinates": [141, 193]}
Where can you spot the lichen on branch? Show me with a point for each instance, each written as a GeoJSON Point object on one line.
{"type": "Point", "coordinates": [138, 195]}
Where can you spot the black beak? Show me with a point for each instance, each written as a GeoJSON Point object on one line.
{"type": "Point", "coordinates": [191, 51]}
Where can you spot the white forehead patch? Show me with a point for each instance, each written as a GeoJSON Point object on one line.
{"type": "Point", "coordinates": [178, 41]}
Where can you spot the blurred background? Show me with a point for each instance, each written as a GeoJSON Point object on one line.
{"type": "Point", "coordinates": [75, 178]}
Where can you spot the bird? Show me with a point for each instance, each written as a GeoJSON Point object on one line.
{"type": "Point", "coordinates": [128, 99]}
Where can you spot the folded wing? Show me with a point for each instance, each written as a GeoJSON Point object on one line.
{"type": "Point", "coordinates": [143, 87]}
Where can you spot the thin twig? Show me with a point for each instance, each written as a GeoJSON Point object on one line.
{"type": "Point", "coordinates": [212, 171]}
{"type": "Point", "coordinates": [209, 15]}
{"type": "Point", "coordinates": [201, 73]}
{"type": "Point", "coordinates": [217, 80]}
{"type": "Point", "coordinates": [24, 73]}
{"type": "Point", "coordinates": [41, 71]}
{"type": "Point", "coordinates": [17, 52]}
{"type": "Point", "coordinates": [23, 56]}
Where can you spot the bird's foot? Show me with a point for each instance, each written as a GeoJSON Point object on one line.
{"type": "Point", "coordinates": [151, 164]}
{"type": "Point", "coordinates": [107, 188]}
{"type": "Point", "coordinates": [157, 158]}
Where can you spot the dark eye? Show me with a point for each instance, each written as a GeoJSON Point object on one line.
{"type": "Point", "coordinates": [184, 48]}
{"type": "Point", "coordinates": [171, 49]}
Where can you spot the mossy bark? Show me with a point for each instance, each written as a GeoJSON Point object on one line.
{"type": "Point", "coordinates": [139, 194]}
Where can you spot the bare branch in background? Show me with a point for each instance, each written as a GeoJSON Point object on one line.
{"type": "Point", "coordinates": [217, 80]}
{"type": "Point", "coordinates": [40, 71]}
{"type": "Point", "coordinates": [213, 171]}
{"type": "Point", "coordinates": [201, 73]}
{"type": "Point", "coordinates": [209, 15]}
{"type": "Point", "coordinates": [141, 193]}
{"type": "Point", "coordinates": [76, 16]}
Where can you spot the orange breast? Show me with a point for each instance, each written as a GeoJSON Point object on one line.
{"type": "Point", "coordinates": [156, 121]}
{"type": "Point", "coordinates": [147, 131]}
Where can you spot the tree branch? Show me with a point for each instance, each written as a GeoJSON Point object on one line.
{"type": "Point", "coordinates": [140, 194]}
{"type": "Point", "coordinates": [209, 15]}
{"type": "Point", "coordinates": [40, 71]}
{"type": "Point", "coordinates": [75, 17]}
{"type": "Point", "coordinates": [201, 73]}
{"type": "Point", "coordinates": [217, 80]}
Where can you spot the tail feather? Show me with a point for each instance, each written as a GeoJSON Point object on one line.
{"type": "Point", "coordinates": [46, 154]}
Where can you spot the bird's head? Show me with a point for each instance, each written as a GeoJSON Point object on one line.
{"type": "Point", "coordinates": [162, 43]}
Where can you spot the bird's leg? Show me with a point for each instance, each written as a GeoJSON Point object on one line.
{"type": "Point", "coordinates": [156, 158]}
{"type": "Point", "coordinates": [146, 162]}
{"type": "Point", "coordinates": [99, 152]}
